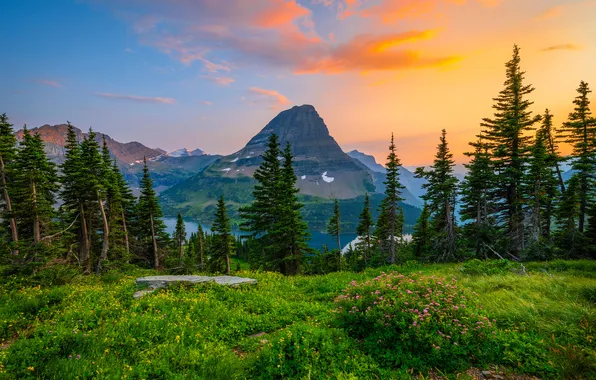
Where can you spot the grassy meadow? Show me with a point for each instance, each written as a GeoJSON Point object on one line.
{"type": "Point", "coordinates": [65, 326]}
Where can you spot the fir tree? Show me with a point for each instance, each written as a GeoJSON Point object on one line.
{"type": "Point", "coordinates": [551, 136]}
{"type": "Point", "coordinates": [389, 228]}
{"type": "Point", "coordinates": [260, 216]}
{"type": "Point", "coordinates": [441, 192]}
{"type": "Point", "coordinates": [508, 143]}
{"type": "Point", "coordinates": [422, 235]}
{"type": "Point", "coordinates": [200, 248]}
{"type": "Point", "coordinates": [35, 182]}
{"type": "Point", "coordinates": [591, 232]}
{"type": "Point", "coordinates": [291, 228]}
{"type": "Point", "coordinates": [150, 229]}
{"type": "Point", "coordinates": [364, 228]}
{"type": "Point", "coordinates": [223, 240]}
{"type": "Point", "coordinates": [334, 228]}
{"type": "Point", "coordinates": [7, 155]}
{"type": "Point", "coordinates": [569, 240]}
{"type": "Point", "coordinates": [180, 235]}
{"type": "Point", "coordinates": [477, 201]}
{"type": "Point", "coordinates": [580, 132]}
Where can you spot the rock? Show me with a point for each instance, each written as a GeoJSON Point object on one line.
{"type": "Point", "coordinates": [487, 374]}
{"type": "Point", "coordinates": [257, 334]}
{"type": "Point", "coordinates": [155, 282]}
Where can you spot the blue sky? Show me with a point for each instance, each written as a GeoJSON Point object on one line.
{"type": "Point", "coordinates": [210, 74]}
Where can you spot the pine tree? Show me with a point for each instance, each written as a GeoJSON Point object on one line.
{"type": "Point", "coordinates": [200, 248]}
{"type": "Point", "coordinates": [125, 202]}
{"type": "Point", "coordinates": [591, 232]}
{"type": "Point", "coordinates": [290, 228]}
{"type": "Point", "coordinates": [364, 229]}
{"type": "Point", "coordinates": [569, 240]}
{"type": "Point", "coordinates": [73, 180]}
{"type": "Point", "coordinates": [150, 229]}
{"type": "Point", "coordinates": [35, 182]}
{"type": "Point", "coordinates": [334, 228]}
{"type": "Point", "coordinates": [552, 137]}
{"type": "Point", "coordinates": [7, 155]}
{"type": "Point", "coordinates": [389, 228]}
{"type": "Point", "coordinates": [95, 191]}
{"type": "Point", "coordinates": [223, 240]}
{"type": "Point", "coordinates": [580, 132]}
{"type": "Point", "coordinates": [477, 202]}
{"type": "Point", "coordinates": [180, 235]}
{"type": "Point", "coordinates": [260, 216]}
{"type": "Point", "coordinates": [441, 192]}
{"type": "Point", "coordinates": [422, 234]}
{"type": "Point", "coordinates": [508, 143]}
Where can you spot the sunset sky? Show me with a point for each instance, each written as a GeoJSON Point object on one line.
{"type": "Point", "coordinates": [210, 74]}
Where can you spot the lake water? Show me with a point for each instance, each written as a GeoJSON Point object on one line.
{"type": "Point", "coordinates": [317, 238]}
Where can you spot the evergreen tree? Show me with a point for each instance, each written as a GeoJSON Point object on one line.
{"type": "Point", "coordinates": [508, 143]}
{"type": "Point", "coordinates": [35, 182]}
{"type": "Point", "coordinates": [364, 228]}
{"type": "Point", "coordinates": [422, 235]}
{"type": "Point", "coordinates": [274, 219]}
{"type": "Point", "coordinates": [389, 228]}
{"type": "Point", "coordinates": [260, 216]}
{"type": "Point", "coordinates": [180, 235]}
{"type": "Point", "coordinates": [223, 240]}
{"type": "Point", "coordinates": [150, 229]}
{"type": "Point", "coordinates": [441, 192]}
{"type": "Point", "coordinates": [96, 183]}
{"type": "Point", "coordinates": [291, 228]}
{"type": "Point", "coordinates": [334, 228]}
{"type": "Point", "coordinates": [7, 155]}
{"type": "Point", "coordinates": [569, 240]}
{"type": "Point", "coordinates": [477, 203]}
{"type": "Point", "coordinates": [591, 232]}
{"type": "Point", "coordinates": [123, 201]}
{"type": "Point", "coordinates": [200, 248]}
{"type": "Point", "coordinates": [551, 135]}
{"type": "Point", "coordinates": [580, 132]}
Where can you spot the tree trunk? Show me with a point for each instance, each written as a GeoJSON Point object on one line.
{"type": "Point", "coordinates": [583, 206]}
{"type": "Point", "coordinates": [392, 234]}
{"type": "Point", "coordinates": [13, 222]}
{"type": "Point", "coordinates": [450, 229]}
{"type": "Point", "coordinates": [36, 226]}
{"type": "Point", "coordinates": [106, 236]}
{"type": "Point", "coordinates": [126, 243]}
{"type": "Point", "coordinates": [154, 241]}
{"type": "Point", "coordinates": [84, 242]}
{"type": "Point", "coordinates": [367, 247]}
{"type": "Point", "coordinates": [557, 168]}
{"type": "Point", "coordinates": [180, 250]}
{"type": "Point", "coordinates": [201, 249]}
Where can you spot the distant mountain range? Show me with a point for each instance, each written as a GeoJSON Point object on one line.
{"type": "Point", "coordinates": [167, 169]}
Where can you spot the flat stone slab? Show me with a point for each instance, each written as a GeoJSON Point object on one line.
{"type": "Point", "coordinates": [156, 282]}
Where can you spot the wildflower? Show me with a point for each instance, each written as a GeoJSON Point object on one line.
{"type": "Point", "coordinates": [31, 369]}
{"type": "Point", "coordinates": [78, 357]}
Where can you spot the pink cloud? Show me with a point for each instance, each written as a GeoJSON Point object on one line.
{"type": "Point", "coordinates": [50, 83]}
{"type": "Point", "coordinates": [222, 81]}
{"type": "Point", "coordinates": [144, 99]}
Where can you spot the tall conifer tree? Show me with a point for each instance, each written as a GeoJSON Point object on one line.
{"type": "Point", "coordinates": [7, 155]}
{"type": "Point", "coordinates": [441, 192]}
{"type": "Point", "coordinates": [509, 144]}
{"type": "Point", "coordinates": [389, 228]}
{"type": "Point", "coordinates": [334, 228]}
{"type": "Point", "coordinates": [580, 132]}
{"type": "Point", "coordinates": [421, 238]}
{"type": "Point", "coordinates": [363, 230]}
{"type": "Point", "coordinates": [223, 240]}
{"type": "Point", "coordinates": [180, 235]}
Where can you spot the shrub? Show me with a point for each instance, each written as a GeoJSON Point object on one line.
{"type": "Point", "coordinates": [477, 267]}
{"type": "Point", "coordinates": [306, 351]}
{"type": "Point", "coordinates": [417, 322]}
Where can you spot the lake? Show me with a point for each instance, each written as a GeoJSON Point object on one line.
{"type": "Point", "coordinates": [317, 238]}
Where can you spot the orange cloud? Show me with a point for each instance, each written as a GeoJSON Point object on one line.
{"type": "Point", "coordinates": [278, 13]}
{"type": "Point", "coordinates": [145, 99]}
{"type": "Point", "coordinates": [562, 47]}
{"type": "Point", "coordinates": [271, 96]}
{"type": "Point", "coordinates": [551, 13]}
{"type": "Point", "coordinates": [374, 53]}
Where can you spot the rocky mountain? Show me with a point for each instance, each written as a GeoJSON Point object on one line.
{"type": "Point", "coordinates": [54, 138]}
{"type": "Point", "coordinates": [323, 170]}
{"type": "Point", "coordinates": [184, 152]}
{"type": "Point", "coordinates": [166, 170]}
{"type": "Point", "coordinates": [413, 190]}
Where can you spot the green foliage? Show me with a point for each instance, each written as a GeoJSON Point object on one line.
{"type": "Point", "coordinates": [223, 241]}
{"type": "Point", "coordinates": [477, 267]}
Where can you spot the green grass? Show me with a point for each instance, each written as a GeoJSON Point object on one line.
{"type": "Point", "coordinates": [93, 328]}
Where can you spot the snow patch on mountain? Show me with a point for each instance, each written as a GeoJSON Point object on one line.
{"type": "Point", "coordinates": [226, 170]}
{"type": "Point", "coordinates": [235, 159]}
{"type": "Point", "coordinates": [327, 179]}
{"type": "Point", "coordinates": [184, 152]}
{"type": "Point", "coordinates": [303, 177]}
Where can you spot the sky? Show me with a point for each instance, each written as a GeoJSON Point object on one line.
{"type": "Point", "coordinates": [210, 74]}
